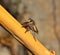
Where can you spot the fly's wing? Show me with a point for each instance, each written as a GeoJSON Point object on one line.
{"type": "Point", "coordinates": [32, 25]}
{"type": "Point", "coordinates": [33, 28]}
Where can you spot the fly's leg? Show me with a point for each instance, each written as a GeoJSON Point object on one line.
{"type": "Point", "coordinates": [27, 29]}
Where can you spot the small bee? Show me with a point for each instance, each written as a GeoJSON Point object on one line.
{"type": "Point", "coordinates": [30, 25]}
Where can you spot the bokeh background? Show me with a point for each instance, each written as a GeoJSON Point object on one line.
{"type": "Point", "coordinates": [45, 13]}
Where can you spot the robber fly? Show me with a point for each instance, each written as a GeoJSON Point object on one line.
{"type": "Point", "coordinates": [30, 25]}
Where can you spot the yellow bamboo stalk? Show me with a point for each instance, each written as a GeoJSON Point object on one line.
{"type": "Point", "coordinates": [27, 38]}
